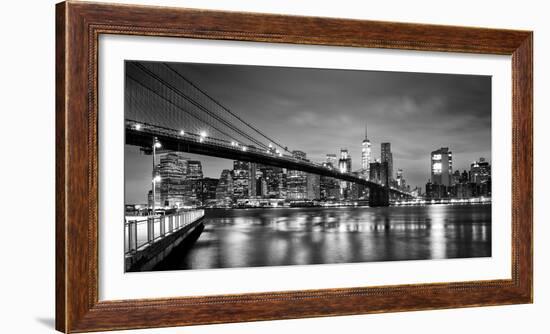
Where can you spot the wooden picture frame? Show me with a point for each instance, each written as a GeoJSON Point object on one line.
{"type": "Point", "coordinates": [78, 26]}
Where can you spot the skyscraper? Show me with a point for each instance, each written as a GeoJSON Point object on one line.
{"type": "Point", "coordinates": [365, 156]}
{"type": "Point", "coordinates": [283, 183]}
{"type": "Point", "coordinates": [344, 163]}
{"type": "Point", "coordinates": [173, 172]}
{"type": "Point", "coordinates": [385, 174]}
{"type": "Point", "coordinates": [480, 171]}
{"type": "Point", "coordinates": [441, 166]}
{"type": "Point", "coordinates": [271, 176]}
{"type": "Point", "coordinates": [297, 180]}
{"type": "Point", "coordinates": [194, 173]}
{"type": "Point", "coordinates": [252, 186]}
{"type": "Point", "coordinates": [206, 190]}
{"type": "Point", "coordinates": [386, 155]}
{"type": "Point", "coordinates": [400, 179]}
{"type": "Point", "coordinates": [241, 179]}
{"type": "Point", "coordinates": [194, 170]}
{"type": "Point", "coordinates": [313, 186]}
{"type": "Point", "coordinates": [224, 189]}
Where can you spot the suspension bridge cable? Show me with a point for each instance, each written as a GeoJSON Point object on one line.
{"type": "Point", "coordinates": [200, 106]}
{"type": "Point", "coordinates": [175, 105]}
{"type": "Point", "coordinates": [225, 108]}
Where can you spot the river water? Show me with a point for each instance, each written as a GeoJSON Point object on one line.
{"type": "Point", "coordinates": [298, 236]}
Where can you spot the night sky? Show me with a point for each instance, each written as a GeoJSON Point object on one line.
{"type": "Point", "coordinates": [319, 111]}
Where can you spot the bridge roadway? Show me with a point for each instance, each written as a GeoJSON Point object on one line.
{"type": "Point", "coordinates": [141, 134]}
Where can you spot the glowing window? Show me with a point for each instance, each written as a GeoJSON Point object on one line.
{"type": "Point", "coordinates": [436, 168]}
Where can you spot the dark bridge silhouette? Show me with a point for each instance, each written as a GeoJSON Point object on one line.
{"type": "Point", "coordinates": [159, 98]}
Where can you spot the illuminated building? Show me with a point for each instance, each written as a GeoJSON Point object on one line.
{"type": "Point", "coordinates": [344, 166]}
{"type": "Point", "coordinates": [480, 171]}
{"type": "Point", "coordinates": [401, 184]}
{"type": "Point", "coordinates": [365, 156]}
{"type": "Point", "coordinates": [297, 180]}
{"type": "Point", "coordinates": [206, 189]}
{"type": "Point", "coordinates": [194, 173]}
{"type": "Point", "coordinates": [241, 179]}
{"type": "Point", "coordinates": [252, 186]}
{"type": "Point", "coordinates": [194, 170]}
{"type": "Point", "coordinates": [441, 166]}
{"type": "Point", "coordinates": [283, 183]}
{"type": "Point", "coordinates": [268, 177]}
{"type": "Point", "coordinates": [173, 170]}
{"type": "Point", "coordinates": [224, 189]}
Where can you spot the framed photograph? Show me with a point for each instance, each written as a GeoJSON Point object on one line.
{"type": "Point", "coordinates": [223, 167]}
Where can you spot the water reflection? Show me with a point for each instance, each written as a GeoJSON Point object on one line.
{"type": "Point", "coordinates": [289, 236]}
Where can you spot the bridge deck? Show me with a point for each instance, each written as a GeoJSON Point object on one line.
{"type": "Point", "coordinates": [141, 134]}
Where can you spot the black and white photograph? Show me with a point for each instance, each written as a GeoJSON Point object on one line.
{"type": "Point", "coordinates": [235, 166]}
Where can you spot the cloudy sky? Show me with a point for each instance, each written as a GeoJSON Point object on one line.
{"type": "Point", "coordinates": [320, 111]}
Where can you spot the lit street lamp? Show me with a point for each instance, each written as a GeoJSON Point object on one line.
{"type": "Point", "coordinates": [156, 178]}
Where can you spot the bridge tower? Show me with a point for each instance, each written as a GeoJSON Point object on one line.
{"type": "Point", "coordinates": [379, 196]}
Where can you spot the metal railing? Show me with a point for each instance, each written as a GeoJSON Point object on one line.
{"type": "Point", "coordinates": [140, 233]}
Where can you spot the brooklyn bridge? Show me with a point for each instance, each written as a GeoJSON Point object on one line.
{"type": "Point", "coordinates": [166, 107]}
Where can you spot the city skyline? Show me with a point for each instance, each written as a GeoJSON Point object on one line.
{"type": "Point", "coordinates": [415, 118]}
{"type": "Point", "coordinates": [228, 165]}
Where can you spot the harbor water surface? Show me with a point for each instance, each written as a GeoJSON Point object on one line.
{"type": "Point", "coordinates": [300, 236]}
